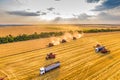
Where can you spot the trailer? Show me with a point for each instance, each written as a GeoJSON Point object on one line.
{"type": "Point", "coordinates": [50, 67]}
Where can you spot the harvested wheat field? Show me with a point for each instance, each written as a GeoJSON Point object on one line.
{"type": "Point", "coordinates": [22, 60]}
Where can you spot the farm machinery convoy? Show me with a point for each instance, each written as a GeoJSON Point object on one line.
{"type": "Point", "coordinates": [54, 65]}
{"type": "Point", "coordinates": [51, 44]}
{"type": "Point", "coordinates": [98, 49]}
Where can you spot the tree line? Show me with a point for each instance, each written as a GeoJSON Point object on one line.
{"type": "Point", "coordinates": [24, 37]}
{"type": "Point", "coordinates": [98, 30]}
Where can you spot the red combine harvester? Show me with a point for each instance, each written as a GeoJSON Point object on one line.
{"type": "Point", "coordinates": [74, 38]}
{"type": "Point", "coordinates": [50, 56]}
{"type": "Point", "coordinates": [102, 49]}
{"type": "Point", "coordinates": [1, 78]}
{"type": "Point", "coordinates": [50, 44]}
{"type": "Point", "coordinates": [63, 41]}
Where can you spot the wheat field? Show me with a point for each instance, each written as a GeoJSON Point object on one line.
{"type": "Point", "coordinates": [17, 30]}
{"type": "Point", "coordinates": [22, 60]}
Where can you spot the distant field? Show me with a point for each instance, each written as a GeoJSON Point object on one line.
{"type": "Point", "coordinates": [22, 60]}
{"type": "Point", "coordinates": [16, 30]}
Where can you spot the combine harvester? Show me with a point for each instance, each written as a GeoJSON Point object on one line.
{"type": "Point", "coordinates": [1, 78]}
{"type": "Point", "coordinates": [50, 56]}
{"type": "Point", "coordinates": [102, 49]}
{"type": "Point", "coordinates": [63, 41]}
{"type": "Point", "coordinates": [50, 67]}
{"type": "Point", "coordinates": [74, 38]}
{"type": "Point", "coordinates": [50, 44]}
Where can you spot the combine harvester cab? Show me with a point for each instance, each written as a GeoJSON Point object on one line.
{"type": "Point", "coordinates": [98, 49]}
{"type": "Point", "coordinates": [50, 67]}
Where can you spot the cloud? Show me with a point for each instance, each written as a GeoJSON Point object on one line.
{"type": "Point", "coordinates": [92, 1]}
{"type": "Point", "coordinates": [107, 4]}
{"type": "Point", "coordinates": [38, 11]}
{"type": "Point", "coordinates": [13, 19]}
{"type": "Point", "coordinates": [43, 13]}
{"type": "Point", "coordinates": [58, 19]}
{"type": "Point", "coordinates": [102, 18]}
{"type": "Point", "coordinates": [108, 16]}
{"type": "Point", "coordinates": [56, 13]}
{"type": "Point", "coordinates": [57, 0]}
{"type": "Point", "coordinates": [115, 11]}
{"type": "Point", "coordinates": [50, 9]}
{"type": "Point", "coordinates": [83, 16]}
{"type": "Point", "coordinates": [18, 2]}
{"type": "Point", "coordinates": [23, 13]}
{"type": "Point", "coordinates": [64, 20]}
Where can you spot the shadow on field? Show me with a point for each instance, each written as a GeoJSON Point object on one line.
{"type": "Point", "coordinates": [108, 55]}
{"type": "Point", "coordinates": [52, 75]}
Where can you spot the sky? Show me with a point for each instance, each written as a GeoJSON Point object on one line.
{"type": "Point", "coordinates": [60, 11]}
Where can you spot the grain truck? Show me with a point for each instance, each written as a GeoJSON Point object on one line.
{"type": "Point", "coordinates": [50, 67]}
